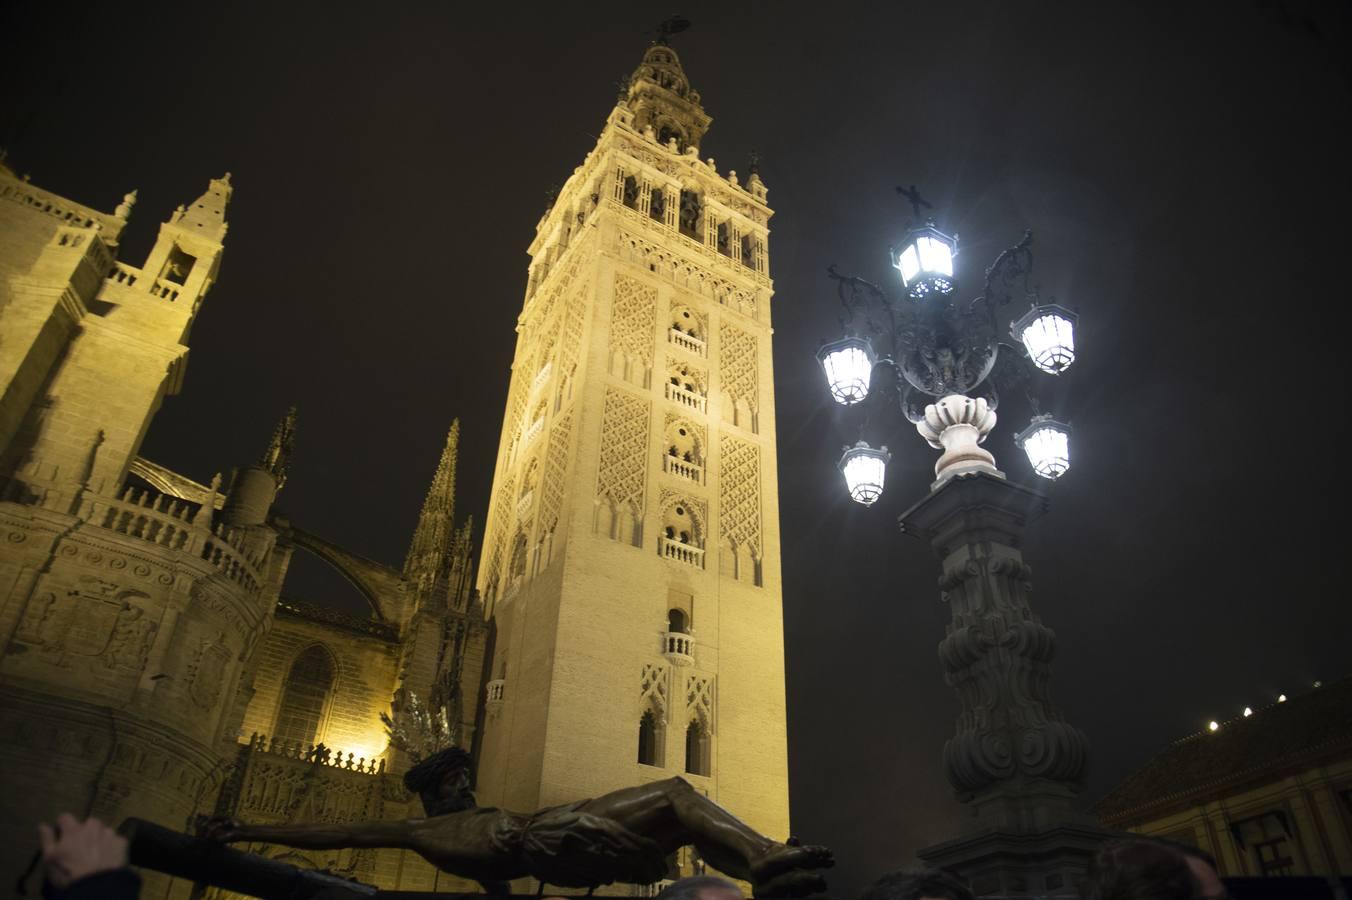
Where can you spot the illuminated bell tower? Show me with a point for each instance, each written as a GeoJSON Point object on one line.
{"type": "Point", "coordinates": [631, 560]}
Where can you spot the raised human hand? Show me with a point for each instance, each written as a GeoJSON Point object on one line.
{"type": "Point", "coordinates": [72, 849]}
{"type": "Point", "coordinates": [221, 829]}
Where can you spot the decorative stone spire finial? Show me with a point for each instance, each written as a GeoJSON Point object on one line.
{"type": "Point", "coordinates": [662, 99]}
{"type": "Point", "coordinates": [277, 458]}
{"type": "Point", "coordinates": [123, 210]}
{"type": "Point", "coordinates": [206, 215]}
{"type": "Point", "coordinates": [431, 552]}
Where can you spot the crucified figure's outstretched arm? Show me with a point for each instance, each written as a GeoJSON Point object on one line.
{"type": "Point", "coordinates": [398, 834]}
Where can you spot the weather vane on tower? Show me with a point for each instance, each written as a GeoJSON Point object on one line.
{"type": "Point", "coordinates": [669, 26]}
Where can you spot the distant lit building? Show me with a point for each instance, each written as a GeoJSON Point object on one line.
{"type": "Point", "coordinates": [1267, 794]}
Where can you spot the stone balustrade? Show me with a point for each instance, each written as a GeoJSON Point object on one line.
{"type": "Point", "coordinates": [167, 521]}
{"type": "Point", "coordinates": [147, 515]}
{"type": "Point", "coordinates": [523, 505]}
{"type": "Point", "coordinates": [275, 779]}
{"type": "Point", "coordinates": [542, 376]}
{"type": "Point", "coordinates": [225, 551]}
{"type": "Point", "coordinates": [685, 553]}
{"type": "Point", "coordinates": [679, 647]}
{"type": "Point", "coordinates": [166, 290]}
{"type": "Point", "coordinates": [51, 204]}
{"type": "Point", "coordinates": [688, 399]}
{"type": "Point", "coordinates": [687, 342]}
{"type": "Point", "coordinates": [496, 690]}
{"type": "Point", "coordinates": [312, 753]}
{"type": "Point", "coordinates": [124, 274]}
{"type": "Point", "coordinates": [682, 469]}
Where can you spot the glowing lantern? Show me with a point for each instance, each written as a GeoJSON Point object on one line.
{"type": "Point", "coordinates": [1047, 443]}
{"type": "Point", "coordinates": [848, 364]}
{"type": "Point", "coordinates": [864, 469]}
{"type": "Point", "coordinates": [1048, 333]}
{"type": "Point", "coordinates": [926, 261]}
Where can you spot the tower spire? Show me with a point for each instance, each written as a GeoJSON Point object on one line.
{"type": "Point", "coordinates": [430, 554]}
{"type": "Point", "coordinates": [277, 458]}
{"type": "Point", "coordinates": [662, 99]}
{"type": "Point", "coordinates": [206, 214]}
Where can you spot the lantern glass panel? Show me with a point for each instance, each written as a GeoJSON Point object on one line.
{"type": "Point", "coordinates": [848, 365]}
{"type": "Point", "coordinates": [1048, 448]}
{"type": "Point", "coordinates": [864, 469]}
{"type": "Point", "coordinates": [936, 257]}
{"type": "Point", "coordinates": [909, 264]}
{"type": "Point", "coordinates": [1050, 340]}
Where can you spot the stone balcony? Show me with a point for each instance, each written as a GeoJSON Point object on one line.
{"type": "Point", "coordinates": [273, 778]}
{"type": "Point", "coordinates": [176, 524]}
{"type": "Point", "coordinates": [688, 399]}
{"type": "Point", "coordinates": [315, 754]}
{"type": "Point", "coordinates": [679, 647]}
{"type": "Point", "coordinates": [495, 692]}
{"type": "Point", "coordinates": [166, 290]}
{"type": "Point", "coordinates": [687, 342]}
{"type": "Point", "coordinates": [674, 465]}
{"type": "Point", "coordinates": [684, 553]}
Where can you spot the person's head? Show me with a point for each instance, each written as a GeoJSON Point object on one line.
{"type": "Point", "coordinates": [442, 782]}
{"type": "Point", "coordinates": [918, 884]}
{"type": "Point", "coordinates": [1141, 869]}
{"type": "Point", "coordinates": [701, 887]}
{"type": "Point", "coordinates": [1203, 868]}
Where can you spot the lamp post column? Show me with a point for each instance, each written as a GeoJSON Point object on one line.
{"type": "Point", "coordinates": [1015, 763]}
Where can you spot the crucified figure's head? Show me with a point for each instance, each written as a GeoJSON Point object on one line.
{"type": "Point", "coordinates": [442, 781]}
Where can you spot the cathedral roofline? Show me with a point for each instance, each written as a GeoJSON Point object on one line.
{"type": "Point", "coordinates": [24, 192]}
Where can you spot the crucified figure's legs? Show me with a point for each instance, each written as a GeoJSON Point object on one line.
{"type": "Point", "coordinates": [674, 814]}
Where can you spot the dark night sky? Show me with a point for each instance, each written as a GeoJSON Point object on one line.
{"type": "Point", "coordinates": [1184, 167]}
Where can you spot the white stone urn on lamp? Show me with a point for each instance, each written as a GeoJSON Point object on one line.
{"type": "Point", "coordinates": [956, 424]}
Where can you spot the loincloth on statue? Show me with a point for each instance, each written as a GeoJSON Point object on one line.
{"type": "Point", "coordinates": [561, 845]}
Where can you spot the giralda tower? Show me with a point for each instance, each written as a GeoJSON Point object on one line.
{"type": "Point", "coordinates": [631, 560]}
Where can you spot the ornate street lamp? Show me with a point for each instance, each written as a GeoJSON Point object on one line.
{"type": "Point", "coordinates": [1047, 332]}
{"type": "Point", "coordinates": [1047, 443]}
{"type": "Point", "coordinates": [1015, 762]}
{"type": "Point", "coordinates": [848, 364]}
{"type": "Point", "coordinates": [864, 469]}
{"type": "Point", "coordinates": [946, 355]}
{"type": "Point", "coordinates": [926, 261]}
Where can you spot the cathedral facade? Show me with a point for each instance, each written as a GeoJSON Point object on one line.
{"type": "Point", "coordinates": [631, 556]}
{"type": "Point", "coordinates": [154, 663]}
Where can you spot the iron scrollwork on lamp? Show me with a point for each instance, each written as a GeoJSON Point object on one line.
{"type": "Point", "coordinates": [947, 357]}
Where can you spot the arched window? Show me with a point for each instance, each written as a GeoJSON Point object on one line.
{"type": "Point", "coordinates": [676, 621]}
{"type": "Point", "coordinates": [657, 203]}
{"type": "Point", "coordinates": [304, 697]}
{"type": "Point", "coordinates": [630, 195]}
{"type": "Point", "coordinates": [692, 207]}
{"type": "Point", "coordinates": [696, 748]}
{"type": "Point", "coordinates": [649, 743]}
{"type": "Point", "coordinates": [667, 133]}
